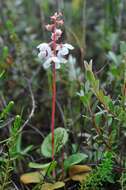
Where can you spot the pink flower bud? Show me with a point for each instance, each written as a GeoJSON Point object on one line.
{"type": "Point", "coordinates": [56, 16]}
{"type": "Point", "coordinates": [53, 18]}
{"type": "Point", "coordinates": [57, 34]}
{"type": "Point", "coordinates": [49, 27]}
{"type": "Point", "coordinates": [60, 22]}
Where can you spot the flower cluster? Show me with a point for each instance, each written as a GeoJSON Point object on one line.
{"type": "Point", "coordinates": [54, 52]}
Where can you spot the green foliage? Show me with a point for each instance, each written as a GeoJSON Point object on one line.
{"type": "Point", "coordinates": [74, 159]}
{"type": "Point", "coordinates": [102, 173]}
{"type": "Point", "coordinates": [38, 166]}
{"type": "Point", "coordinates": [6, 110]}
{"type": "Point", "coordinates": [9, 158]}
{"type": "Point", "coordinates": [14, 135]}
{"type": "Point", "coordinates": [60, 139]}
{"type": "Point", "coordinates": [122, 181]}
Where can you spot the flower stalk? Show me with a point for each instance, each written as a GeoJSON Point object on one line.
{"type": "Point", "coordinates": [53, 54]}
{"type": "Point", "coordinates": [53, 108]}
{"type": "Point", "coordinates": [53, 94]}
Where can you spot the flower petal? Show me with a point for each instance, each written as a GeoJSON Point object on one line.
{"type": "Point", "coordinates": [57, 65]}
{"type": "Point", "coordinates": [68, 46]}
{"type": "Point", "coordinates": [42, 54]}
{"type": "Point", "coordinates": [47, 63]}
{"type": "Point", "coordinates": [64, 51]}
{"type": "Point", "coordinates": [55, 60]}
{"type": "Point", "coordinates": [42, 46]}
{"type": "Point", "coordinates": [63, 60]}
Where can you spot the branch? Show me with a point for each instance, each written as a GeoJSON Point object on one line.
{"type": "Point", "coordinates": [32, 110]}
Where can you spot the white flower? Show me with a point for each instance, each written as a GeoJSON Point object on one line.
{"type": "Point", "coordinates": [45, 50]}
{"type": "Point", "coordinates": [63, 50]}
{"type": "Point", "coordinates": [48, 62]}
{"type": "Point", "coordinates": [47, 54]}
{"type": "Point", "coordinates": [68, 46]}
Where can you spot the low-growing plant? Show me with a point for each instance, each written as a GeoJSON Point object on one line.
{"type": "Point", "coordinates": [8, 159]}
{"type": "Point", "coordinates": [122, 181]}
{"type": "Point", "coordinates": [102, 173]}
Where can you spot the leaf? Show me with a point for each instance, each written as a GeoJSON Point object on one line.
{"type": "Point", "coordinates": [16, 126]}
{"type": "Point", "coordinates": [122, 47]}
{"type": "Point", "coordinates": [101, 94]}
{"type": "Point", "coordinates": [110, 119]}
{"type": "Point", "coordinates": [5, 52]}
{"type": "Point", "coordinates": [39, 166]}
{"type": "Point", "coordinates": [106, 99]}
{"type": "Point", "coordinates": [32, 177]}
{"type": "Point", "coordinates": [98, 119]}
{"type": "Point", "coordinates": [79, 172]}
{"type": "Point", "coordinates": [112, 56]}
{"type": "Point", "coordinates": [48, 167]}
{"type": "Point", "coordinates": [79, 169]}
{"type": "Point", "coordinates": [74, 159]}
{"type": "Point", "coordinates": [19, 146]}
{"type": "Point", "coordinates": [96, 85]}
{"type": "Point", "coordinates": [14, 136]}
{"type": "Point", "coordinates": [51, 186]}
{"type": "Point", "coordinates": [111, 105]}
{"type": "Point", "coordinates": [80, 177]}
{"type": "Point", "coordinates": [2, 74]}
{"type": "Point", "coordinates": [60, 139]}
{"type": "Point", "coordinates": [90, 76]}
{"type": "Point", "coordinates": [98, 116]}
{"type": "Point", "coordinates": [6, 110]}
{"type": "Point", "coordinates": [26, 150]}
{"type": "Point", "coordinates": [86, 99]}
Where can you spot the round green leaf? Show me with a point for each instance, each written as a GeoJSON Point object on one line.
{"type": "Point", "coordinates": [74, 159]}
{"type": "Point", "coordinates": [60, 139]}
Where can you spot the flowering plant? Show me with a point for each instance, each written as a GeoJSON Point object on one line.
{"type": "Point", "coordinates": [54, 52]}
